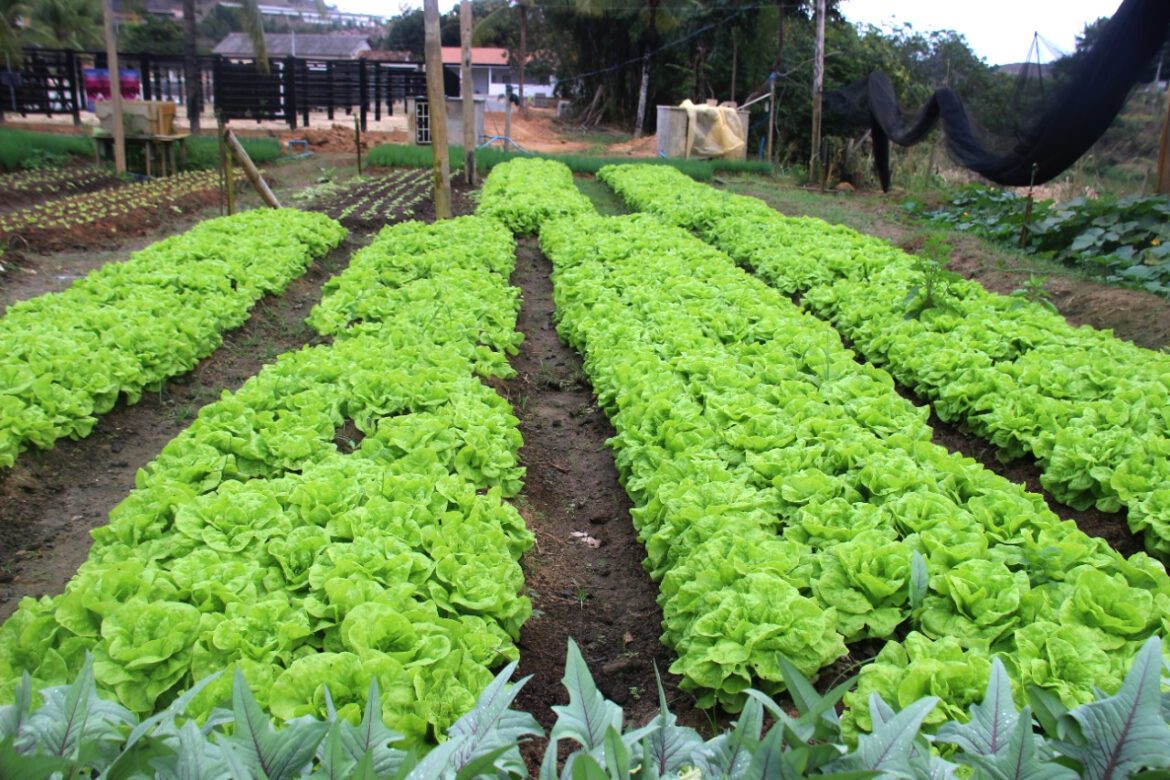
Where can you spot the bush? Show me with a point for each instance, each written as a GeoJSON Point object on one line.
{"type": "Point", "coordinates": [400, 156]}
{"type": "Point", "coordinates": [26, 149]}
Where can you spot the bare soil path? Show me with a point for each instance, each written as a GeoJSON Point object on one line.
{"type": "Point", "coordinates": [585, 574]}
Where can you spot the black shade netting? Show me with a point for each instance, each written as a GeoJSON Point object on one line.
{"type": "Point", "coordinates": [1078, 115]}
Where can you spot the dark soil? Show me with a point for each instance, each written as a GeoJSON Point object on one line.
{"type": "Point", "coordinates": [107, 232]}
{"type": "Point", "coordinates": [599, 596]}
{"type": "Point", "coordinates": [404, 194]}
{"type": "Point", "coordinates": [50, 500]}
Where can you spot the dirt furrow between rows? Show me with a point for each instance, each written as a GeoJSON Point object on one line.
{"type": "Point", "coordinates": [585, 574]}
{"type": "Point", "coordinates": [50, 500]}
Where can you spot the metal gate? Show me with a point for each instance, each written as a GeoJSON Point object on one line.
{"type": "Point", "coordinates": [422, 122]}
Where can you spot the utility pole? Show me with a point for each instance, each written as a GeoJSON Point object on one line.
{"type": "Point", "coordinates": [115, 88]}
{"type": "Point", "coordinates": [467, 90]}
{"type": "Point", "coordinates": [437, 103]}
{"type": "Point", "coordinates": [817, 88]}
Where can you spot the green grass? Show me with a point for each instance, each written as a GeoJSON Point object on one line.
{"type": "Point", "coordinates": [399, 156]}
{"type": "Point", "coordinates": [203, 150]}
{"type": "Point", "coordinates": [605, 200]}
{"type": "Point", "coordinates": [26, 149]}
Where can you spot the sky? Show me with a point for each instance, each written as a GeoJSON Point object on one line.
{"type": "Point", "coordinates": [1000, 31]}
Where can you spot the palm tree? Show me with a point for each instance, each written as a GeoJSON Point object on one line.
{"type": "Point", "coordinates": [11, 12]}
{"type": "Point", "coordinates": [65, 24]}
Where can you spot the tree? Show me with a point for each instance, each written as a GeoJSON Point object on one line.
{"type": "Point", "coordinates": [405, 33]}
{"type": "Point", "coordinates": [65, 24]}
{"type": "Point", "coordinates": [153, 35]}
{"type": "Point", "coordinates": [11, 12]}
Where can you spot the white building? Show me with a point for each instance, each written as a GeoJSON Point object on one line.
{"type": "Point", "coordinates": [491, 75]}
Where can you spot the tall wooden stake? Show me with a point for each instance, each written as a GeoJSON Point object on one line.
{"type": "Point", "coordinates": [771, 112]}
{"type": "Point", "coordinates": [1163, 185]}
{"type": "Point", "coordinates": [734, 62]}
{"type": "Point", "coordinates": [467, 90]}
{"type": "Point", "coordinates": [508, 120]}
{"type": "Point", "coordinates": [115, 88]}
{"type": "Point", "coordinates": [250, 169]}
{"type": "Point", "coordinates": [817, 87]}
{"type": "Point", "coordinates": [357, 143]}
{"type": "Point", "coordinates": [437, 104]}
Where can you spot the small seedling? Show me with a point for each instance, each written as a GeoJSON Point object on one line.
{"type": "Point", "coordinates": [932, 287]}
{"type": "Point", "coordinates": [1035, 292]}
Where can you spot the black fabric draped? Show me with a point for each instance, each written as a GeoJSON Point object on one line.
{"type": "Point", "coordinates": [1077, 117]}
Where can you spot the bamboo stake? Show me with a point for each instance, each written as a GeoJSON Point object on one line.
{"type": "Point", "coordinates": [467, 90]}
{"type": "Point", "coordinates": [817, 88]}
{"type": "Point", "coordinates": [357, 143]}
{"type": "Point", "coordinates": [437, 103]}
{"type": "Point", "coordinates": [250, 170]}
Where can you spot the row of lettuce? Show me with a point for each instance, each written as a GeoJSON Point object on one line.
{"type": "Point", "coordinates": [1092, 409]}
{"type": "Point", "coordinates": [791, 502]}
{"type": "Point", "coordinates": [67, 357]}
{"type": "Point", "coordinates": [340, 517]}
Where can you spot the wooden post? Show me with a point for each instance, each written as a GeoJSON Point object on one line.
{"type": "Point", "coordinates": [229, 182]}
{"type": "Point", "coordinates": [250, 170]}
{"type": "Point", "coordinates": [508, 119]}
{"type": "Point", "coordinates": [734, 62]}
{"type": "Point", "coordinates": [1163, 184]}
{"type": "Point", "coordinates": [818, 87]}
{"type": "Point", "coordinates": [437, 103]}
{"type": "Point", "coordinates": [115, 88]}
{"type": "Point", "coordinates": [357, 143]}
{"type": "Point", "coordinates": [771, 112]}
{"type": "Point", "coordinates": [467, 90]}
{"type": "Point", "coordinates": [523, 58]}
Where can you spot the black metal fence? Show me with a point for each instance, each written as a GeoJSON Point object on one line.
{"type": "Point", "coordinates": [51, 82]}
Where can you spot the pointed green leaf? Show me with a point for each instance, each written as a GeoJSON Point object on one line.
{"type": "Point", "coordinates": [1048, 710]}
{"type": "Point", "coordinates": [767, 762]}
{"type": "Point", "coordinates": [14, 766]}
{"type": "Point", "coordinates": [492, 724]}
{"type": "Point", "coordinates": [889, 747]}
{"type": "Point", "coordinates": [617, 755]}
{"type": "Point", "coordinates": [434, 765]}
{"type": "Point", "coordinates": [919, 580]}
{"type": "Point", "coordinates": [1019, 759]}
{"type": "Point", "coordinates": [993, 721]}
{"type": "Point", "coordinates": [1125, 732]}
{"type": "Point", "coordinates": [588, 713]}
{"type": "Point", "coordinates": [12, 716]}
{"type": "Point", "coordinates": [670, 746]}
{"type": "Point", "coordinates": [275, 755]}
{"type": "Point", "coordinates": [372, 736]}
